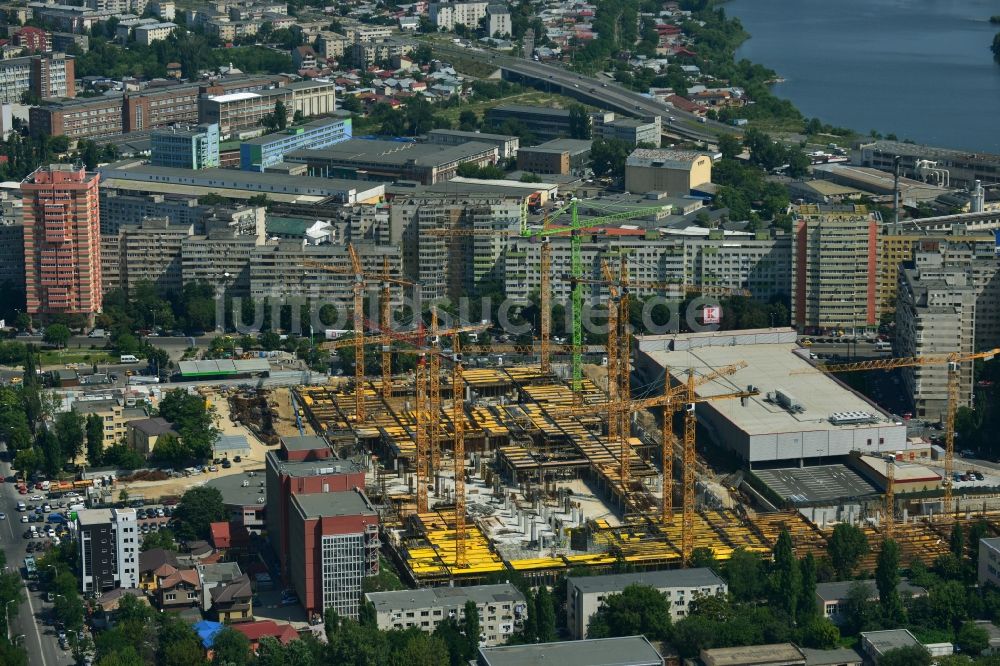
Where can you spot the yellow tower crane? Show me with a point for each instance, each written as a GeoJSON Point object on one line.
{"type": "Point", "coordinates": [361, 279]}
{"type": "Point", "coordinates": [953, 361]}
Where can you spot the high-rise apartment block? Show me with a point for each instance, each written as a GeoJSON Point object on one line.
{"type": "Point", "coordinates": [43, 75]}
{"type": "Point", "coordinates": [446, 15]}
{"type": "Point", "coordinates": [452, 266]}
{"type": "Point", "coordinates": [834, 268]}
{"type": "Point", "coordinates": [948, 302]}
{"type": "Point", "coordinates": [760, 263]}
{"type": "Point", "coordinates": [62, 241]}
{"type": "Point", "coordinates": [186, 147]}
{"type": "Point", "coordinates": [108, 549]}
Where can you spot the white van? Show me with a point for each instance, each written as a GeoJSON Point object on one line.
{"type": "Point", "coordinates": [129, 358]}
{"type": "Point", "coordinates": [21, 506]}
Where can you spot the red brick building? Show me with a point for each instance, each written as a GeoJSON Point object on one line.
{"type": "Point", "coordinates": [332, 545]}
{"type": "Point", "coordinates": [62, 241]}
{"type": "Point", "coordinates": [302, 465]}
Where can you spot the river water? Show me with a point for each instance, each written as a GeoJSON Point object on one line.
{"type": "Point", "coordinates": [921, 69]}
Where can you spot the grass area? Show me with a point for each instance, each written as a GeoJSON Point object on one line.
{"type": "Point", "coordinates": [385, 581]}
{"type": "Point", "coordinates": [534, 98]}
{"type": "Point", "coordinates": [63, 356]}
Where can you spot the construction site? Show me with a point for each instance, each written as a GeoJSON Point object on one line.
{"type": "Point", "coordinates": [542, 467]}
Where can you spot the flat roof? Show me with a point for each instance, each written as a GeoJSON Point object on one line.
{"type": "Point", "coordinates": [838, 590]}
{"type": "Point", "coordinates": [472, 136]}
{"type": "Point", "coordinates": [324, 505]}
{"type": "Point", "coordinates": [230, 443]}
{"type": "Point", "coordinates": [774, 362]}
{"type": "Point", "coordinates": [890, 639]}
{"type": "Point", "coordinates": [234, 97]}
{"type": "Point", "coordinates": [526, 109]}
{"type": "Point", "coordinates": [496, 187]}
{"type": "Point", "coordinates": [834, 657]}
{"type": "Point", "coordinates": [748, 655]}
{"type": "Point", "coordinates": [444, 597]}
{"type": "Point", "coordinates": [624, 651]}
{"type": "Point", "coordinates": [822, 483]}
{"type": "Point", "coordinates": [223, 366]}
{"type": "Point", "coordinates": [274, 185]}
{"type": "Point", "coordinates": [572, 146]}
{"type": "Point", "coordinates": [669, 157]}
{"type": "Point", "coordinates": [902, 472]}
{"type": "Point", "coordinates": [298, 468]}
{"type": "Point", "coordinates": [234, 493]}
{"type": "Point", "coordinates": [391, 153]}
{"type": "Point", "coordinates": [304, 442]}
{"type": "Point", "coordinates": [93, 516]}
{"type": "Point", "coordinates": [293, 131]}
{"type": "Point", "coordinates": [700, 577]}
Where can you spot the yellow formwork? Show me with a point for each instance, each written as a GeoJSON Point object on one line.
{"type": "Point", "coordinates": [433, 556]}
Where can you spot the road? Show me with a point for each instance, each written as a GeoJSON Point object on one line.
{"type": "Point", "coordinates": [40, 640]}
{"type": "Point", "coordinates": [599, 92]}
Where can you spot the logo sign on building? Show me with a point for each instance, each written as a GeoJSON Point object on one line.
{"type": "Point", "coordinates": [712, 314]}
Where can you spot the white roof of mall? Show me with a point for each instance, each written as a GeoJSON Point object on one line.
{"type": "Point", "coordinates": [771, 358]}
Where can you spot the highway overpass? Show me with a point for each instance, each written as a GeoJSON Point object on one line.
{"type": "Point", "coordinates": [602, 94]}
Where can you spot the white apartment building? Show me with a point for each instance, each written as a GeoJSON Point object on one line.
{"type": "Point", "coordinates": [585, 594]}
{"type": "Point", "coordinates": [947, 302]}
{"type": "Point", "coordinates": [153, 32]}
{"type": "Point", "coordinates": [278, 270]}
{"type": "Point", "coordinates": [452, 266]}
{"type": "Point", "coordinates": [498, 21]}
{"type": "Point", "coordinates": [989, 561]}
{"type": "Point", "coordinates": [108, 548]}
{"type": "Point", "coordinates": [502, 609]}
{"type": "Point", "coordinates": [447, 15]}
{"type": "Point", "coordinates": [759, 263]}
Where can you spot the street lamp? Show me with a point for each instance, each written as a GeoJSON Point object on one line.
{"type": "Point", "coordinates": [7, 614]}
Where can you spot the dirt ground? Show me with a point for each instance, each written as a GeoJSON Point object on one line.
{"type": "Point", "coordinates": [280, 400]}
{"type": "Point", "coordinates": [177, 486]}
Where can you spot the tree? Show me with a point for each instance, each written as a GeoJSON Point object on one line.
{"type": "Point", "coordinates": [160, 539]}
{"type": "Point", "coordinates": [639, 609]}
{"type": "Point", "coordinates": [996, 47]}
{"type": "Point", "coordinates": [470, 626]}
{"type": "Point", "coordinates": [887, 582]}
{"type": "Point", "coordinates": [957, 542]}
{"type": "Point", "coordinates": [169, 451]}
{"type": "Point", "coordinates": [367, 616]}
{"type": "Point", "coordinates": [847, 545]}
{"type": "Point", "coordinates": [69, 433]}
{"type": "Point", "coordinates": [197, 510]}
{"type": "Point", "coordinates": [807, 592]}
{"type": "Point", "coordinates": [95, 439]}
{"type": "Point", "coordinates": [820, 633]}
{"type": "Point", "coordinates": [911, 655]}
{"type": "Point", "coordinates": [351, 103]}
{"type": "Point", "coordinates": [579, 122]}
{"type": "Point", "coordinates": [607, 158]}
{"type": "Point", "coordinates": [972, 638]}
{"type": "Point", "coordinates": [56, 334]}
{"type": "Point", "coordinates": [947, 602]}
{"type": "Point", "coordinates": [786, 582]}
{"type": "Point", "coordinates": [745, 573]}
{"type": "Point", "coordinates": [545, 612]}
{"type": "Point", "coordinates": [468, 121]}
{"type": "Point", "coordinates": [231, 648]}
{"type": "Point", "coordinates": [729, 146]}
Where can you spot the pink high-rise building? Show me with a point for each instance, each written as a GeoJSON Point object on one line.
{"type": "Point", "coordinates": [62, 242]}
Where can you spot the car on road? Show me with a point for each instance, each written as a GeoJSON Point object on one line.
{"type": "Point", "coordinates": [36, 497]}
{"type": "Point", "coordinates": [24, 518]}
{"type": "Point", "coordinates": [3, 516]}
{"type": "Point", "coordinates": [71, 495]}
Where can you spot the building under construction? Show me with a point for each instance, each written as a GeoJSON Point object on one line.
{"type": "Point", "coordinates": [542, 471]}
